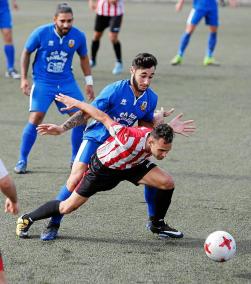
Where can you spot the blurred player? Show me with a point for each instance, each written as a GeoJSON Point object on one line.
{"type": "Point", "coordinates": [207, 9]}
{"type": "Point", "coordinates": [126, 101]}
{"type": "Point", "coordinates": [55, 45]}
{"type": "Point", "coordinates": [123, 156]}
{"type": "Point", "coordinates": [8, 188]}
{"type": "Point", "coordinates": [6, 29]}
{"type": "Point", "coordinates": [109, 13]}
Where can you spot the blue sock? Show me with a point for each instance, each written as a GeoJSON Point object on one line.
{"type": "Point", "coordinates": [150, 194]}
{"type": "Point", "coordinates": [64, 193]}
{"type": "Point", "coordinates": [76, 139]}
{"type": "Point", "coordinates": [28, 139]}
{"type": "Point", "coordinates": [10, 56]}
{"type": "Point", "coordinates": [183, 43]}
{"type": "Point", "coordinates": [212, 40]}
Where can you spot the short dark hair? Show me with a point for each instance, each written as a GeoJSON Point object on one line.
{"type": "Point", "coordinates": [144, 60]}
{"type": "Point", "coordinates": [164, 131]}
{"type": "Point", "coordinates": [63, 8]}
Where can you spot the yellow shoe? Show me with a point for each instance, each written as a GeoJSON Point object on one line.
{"type": "Point", "coordinates": [210, 61]}
{"type": "Point", "coordinates": [177, 60]}
{"type": "Point", "coordinates": [23, 225]}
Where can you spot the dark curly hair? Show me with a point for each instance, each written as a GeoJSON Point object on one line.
{"type": "Point", "coordinates": [164, 131]}
{"type": "Point", "coordinates": [144, 60]}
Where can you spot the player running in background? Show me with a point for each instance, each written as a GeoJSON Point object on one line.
{"type": "Point", "coordinates": [109, 13]}
{"type": "Point", "coordinates": [6, 30]}
{"type": "Point", "coordinates": [207, 9]}
{"type": "Point", "coordinates": [126, 101]}
{"type": "Point", "coordinates": [8, 188]}
{"type": "Point", "coordinates": [123, 156]}
{"type": "Point", "coordinates": [55, 45]}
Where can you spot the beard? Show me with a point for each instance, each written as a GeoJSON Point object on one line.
{"type": "Point", "coordinates": [136, 85]}
{"type": "Point", "coordinates": [62, 31]}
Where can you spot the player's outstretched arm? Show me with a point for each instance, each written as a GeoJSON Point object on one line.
{"type": "Point", "coordinates": [76, 119]}
{"type": "Point", "coordinates": [86, 108]}
{"type": "Point", "coordinates": [182, 127]}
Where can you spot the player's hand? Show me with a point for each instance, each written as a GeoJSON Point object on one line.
{"type": "Point", "coordinates": [25, 87]}
{"type": "Point", "coordinates": [69, 102]}
{"type": "Point", "coordinates": [160, 114]}
{"type": "Point", "coordinates": [182, 127]}
{"type": "Point", "coordinates": [11, 207]}
{"type": "Point", "coordinates": [89, 92]}
{"type": "Point", "coordinates": [50, 129]}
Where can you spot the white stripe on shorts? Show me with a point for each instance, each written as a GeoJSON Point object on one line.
{"type": "Point", "coordinates": [31, 93]}
{"type": "Point", "coordinates": [189, 19]}
{"type": "Point", "coordinates": [80, 150]}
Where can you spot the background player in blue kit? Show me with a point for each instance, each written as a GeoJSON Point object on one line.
{"type": "Point", "coordinates": [207, 9]}
{"type": "Point", "coordinates": [125, 101]}
{"type": "Point", "coordinates": [55, 45]}
{"type": "Point", "coordinates": [6, 30]}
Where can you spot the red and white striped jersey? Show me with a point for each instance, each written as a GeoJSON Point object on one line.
{"type": "Point", "coordinates": [110, 8]}
{"type": "Point", "coordinates": [125, 148]}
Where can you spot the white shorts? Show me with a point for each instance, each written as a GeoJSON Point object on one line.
{"type": "Point", "coordinates": [3, 171]}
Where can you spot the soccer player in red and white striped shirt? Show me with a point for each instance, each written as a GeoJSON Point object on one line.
{"type": "Point", "coordinates": [109, 13]}
{"type": "Point", "coordinates": [124, 156]}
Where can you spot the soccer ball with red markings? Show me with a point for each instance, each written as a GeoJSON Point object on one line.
{"type": "Point", "coordinates": [220, 246]}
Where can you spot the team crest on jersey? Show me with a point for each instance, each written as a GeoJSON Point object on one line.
{"type": "Point", "coordinates": [71, 43]}
{"type": "Point", "coordinates": [143, 106]}
{"type": "Point", "coordinates": [123, 102]}
{"type": "Point", "coordinates": [50, 43]}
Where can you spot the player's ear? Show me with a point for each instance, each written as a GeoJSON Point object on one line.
{"type": "Point", "coordinates": [132, 70]}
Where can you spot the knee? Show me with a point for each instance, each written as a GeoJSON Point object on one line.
{"type": "Point", "coordinates": [73, 180]}
{"type": "Point", "coordinates": [167, 183]}
{"type": "Point", "coordinates": [66, 208]}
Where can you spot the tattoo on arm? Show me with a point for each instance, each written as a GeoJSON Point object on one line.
{"type": "Point", "coordinates": [76, 119]}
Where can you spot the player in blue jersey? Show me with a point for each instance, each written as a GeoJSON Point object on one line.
{"type": "Point", "coordinates": [6, 30]}
{"type": "Point", "coordinates": [55, 45]}
{"type": "Point", "coordinates": [207, 9]}
{"type": "Point", "coordinates": [126, 101]}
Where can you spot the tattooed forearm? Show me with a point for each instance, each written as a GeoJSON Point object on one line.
{"type": "Point", "coordinates": [76, 119]}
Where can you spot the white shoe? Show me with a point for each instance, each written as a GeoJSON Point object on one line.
{"type": "Point", "coordinates": [12, 74]}
{"type": "Point", "coordinates": [118, 68]}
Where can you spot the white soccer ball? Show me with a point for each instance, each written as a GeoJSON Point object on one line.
{"type": "Point", "coordinates": [220, 246]}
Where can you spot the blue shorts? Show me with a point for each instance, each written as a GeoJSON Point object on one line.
{"type": "Point", "coordinates": [43, 94]}
{"type": "Point", "coordinates": [211, 17]}
{"type": "Point", "coordinates": [5, 19]}
{"type": "Point", "coordinates": [86, 150]}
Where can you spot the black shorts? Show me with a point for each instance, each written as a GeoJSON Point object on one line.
{"type": "Point", "coordinates": [100, 178]}
{"type": "Point", "coordinates": [103, 22]}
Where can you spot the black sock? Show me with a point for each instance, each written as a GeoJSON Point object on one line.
{"type": "Point", "coordinates": [94, 49]}
{"type": "Point", "coordinates": [47, 210]}
{"type": "Point", "coordinates": [117, 49]}
{"type": "Point", "coordinates": [162, 202]}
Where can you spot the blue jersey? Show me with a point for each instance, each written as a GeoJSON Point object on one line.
{"type": "Point", "coordinates": [120, 103]}
{"type": "Point", "coordinates": [4, 4]}
{"type": "Point", "coordinates": [205, 4]}
{"type": "Point", "coordinates": [54, 54]}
